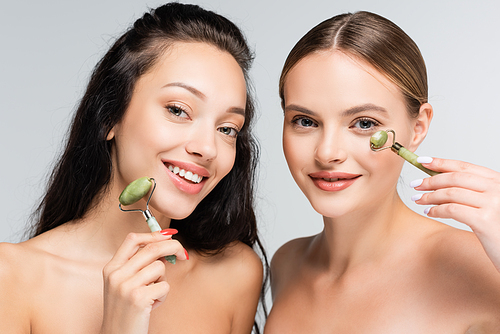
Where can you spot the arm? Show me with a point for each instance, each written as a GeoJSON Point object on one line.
{"type": "Point", "coordinates": [467, 193]}
{"type": "Point", "coordinates": [134, 281]}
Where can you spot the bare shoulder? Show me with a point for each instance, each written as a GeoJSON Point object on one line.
{"type": "Point", "coordinates": [235, 276]}
{"type": "Point", "coordinates": [22, 264]}
{"type": "Point", "coordinates": [454, 250]}
{"type": "Point", "coordinates": [16, 280]}
{"type": "Point", "coordinates": [15, 259]}
{"type": "Point", "coordinates": [464, 269]}
{"type": "Point", "coordinates": [285, 260]}
{"type": "Point", "coordinates": [237, 263]}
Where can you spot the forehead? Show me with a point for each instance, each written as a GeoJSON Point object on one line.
{"type": "Point", "coordinates": [339, 81]}
{"type": "Point", "coordinates": [199, 65]}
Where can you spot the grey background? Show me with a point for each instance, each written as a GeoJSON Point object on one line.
{"type": "Point", "coordinates": [49, 47]}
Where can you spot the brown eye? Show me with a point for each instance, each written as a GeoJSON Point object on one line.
{"type": "Point", "coordinates": [228, 131]}
{"type": "Point", "coordinates": [176, 111]}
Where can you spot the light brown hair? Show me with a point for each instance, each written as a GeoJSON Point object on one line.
{"type": "Point", "coordinates": [374, 39]}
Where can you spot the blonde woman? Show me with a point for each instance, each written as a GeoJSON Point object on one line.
{"type": "Point", "coordinates": [377, 266]}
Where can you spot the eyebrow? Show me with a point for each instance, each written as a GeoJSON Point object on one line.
{"type": "Point", "coordinates": [187, 87]}
{"type": "Point", "coordinates": [234, 110]}
{"type": "Point", "coordinates": [348, 112]}
{"type": "Point", "coordinates": [298, 108]}
{"type": "Point", "coordinates": [364, 107]}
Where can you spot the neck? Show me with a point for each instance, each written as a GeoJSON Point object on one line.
{"type": "Point", "coordinates": [105, 227]}
{"type": "Point", "coordinates": [363, 236]}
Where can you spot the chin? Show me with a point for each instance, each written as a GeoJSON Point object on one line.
{"type": "Point", "coordinates": [180, 216]}
{"type": "Point", "coordinates": [178, 211]}
{"type": "Point", "coordinates": [331, 208]}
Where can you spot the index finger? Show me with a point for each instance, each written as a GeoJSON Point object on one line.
{"type": "Point", "coordinates": [134, 241]}
{"type": "Point", "coordinates": [448, 165]}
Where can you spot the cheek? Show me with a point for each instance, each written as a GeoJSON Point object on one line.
{"type": "Point", "coordinates": [384, 167]}
{"type": "Point", "coordinates": [296, 151]}
{"type": "Point", "coordinates": [225, 159]}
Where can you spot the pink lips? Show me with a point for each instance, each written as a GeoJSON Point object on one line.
{"type": "Point", "coordinates": [183, 184]}
{"type": "Point", "coordinates": [333, 181]}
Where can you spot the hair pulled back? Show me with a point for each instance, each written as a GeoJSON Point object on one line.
{"type": "Point", "coordinates": [374, 39]}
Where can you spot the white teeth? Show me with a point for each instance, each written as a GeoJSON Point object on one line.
{"type": "Point", "coordinates": [188, 175]}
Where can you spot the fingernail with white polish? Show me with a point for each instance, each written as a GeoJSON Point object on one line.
{"type": "Point", "coordinates": [416, 183]}
{"type": "Point", "coordinates": [416, 197]}
{"type": "Point", "coordinates": [426, 211]}
{"type": "Point", "coordinates": [424, 160]}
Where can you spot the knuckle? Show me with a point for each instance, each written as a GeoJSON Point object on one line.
{"type": "Point", "coordinates": [455, 177]}
{"type": "Point", "coordinates": [136, 297]}
{"type": "Point", "coordinates": [451, 209]}
{"type": "Point", "coordinates": [106, 271]}
{"type": "Point", "coordinates": [177, 243]}
{"type": "Point", "coordinates": [165, 286]}
{"type": "Point", "coordinates": [485, 217]}
{"type": "Point", "coordinates": [159, 266]}
{"type": "Point", "coordinates": [438, 162]}
{"type": "Point", "coordinates": [431, 182]}
{"type": "Point", "coordinates": [113, 278]}
{"type": "Point", "coordinates": [132, 237]}
{"type": "Point", "coordinates": [152, 248]}
{"type": "Point", "coordinates": [449, 192]}
{"type": "Point", "coordinates": [464, 166]}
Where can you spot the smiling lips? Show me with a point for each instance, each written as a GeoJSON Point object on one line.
{"type": "Point", "coordinates": [186, 177]}
{"type": "Point", "coordinates": [333, 181]}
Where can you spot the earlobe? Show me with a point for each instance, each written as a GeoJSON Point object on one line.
{"type": "Point", "coordinates": [111, 134]}
{"type": "Point", "coordinates": [422, 124]}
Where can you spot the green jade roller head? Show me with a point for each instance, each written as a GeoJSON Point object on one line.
{"type": "Point", "coordinates": [133, 193]}
{"type": "Point", "coordinates": [378, 140]}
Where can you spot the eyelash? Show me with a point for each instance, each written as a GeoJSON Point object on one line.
{"type": "Point", "coordinates": [374, 123]}
{"type": "Point", "coordinates": [175, 108]}
{"type": "Point", "coordinates": [236, 132]}
{"type": "Point", "coordinates": [296, 120]}
{"type": "Point", "coordinates": [365, 119]}
{"type": "Point", "coordinates": [171, 108]}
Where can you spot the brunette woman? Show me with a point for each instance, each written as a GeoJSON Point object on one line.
{"type": "Point", "coordinates": [170, 100]}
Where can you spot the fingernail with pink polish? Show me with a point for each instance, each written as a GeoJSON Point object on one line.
{"type": "Point", "coordinates": [426, 211]}
{"type": "Point", "coordinates": [187, 255]}
{"type": "Point", "coordinates": [416, 197]}
{"type": "Point", "coordinates": [424, 160]}
{"type": "Point", "coordinates": [416, 183]}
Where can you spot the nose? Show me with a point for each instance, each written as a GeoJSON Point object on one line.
{"type": "Point", "coordinates": [330, 148]}
{"type": "Point", "coordinates": [201, 142]}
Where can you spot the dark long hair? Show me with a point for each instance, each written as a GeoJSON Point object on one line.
{"type": "Point", "coordinates": [84, 170]}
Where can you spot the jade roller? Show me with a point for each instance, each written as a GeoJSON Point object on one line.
{"type": "Point", "coordinates": [378, 140]}
{"type": "Point", "coordinates": [134, 192]}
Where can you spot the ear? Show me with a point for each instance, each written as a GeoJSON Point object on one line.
{"type": "Point", "coordinates": [421, 125]}
{"type": "Point", "coordinates": [111, 134]}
